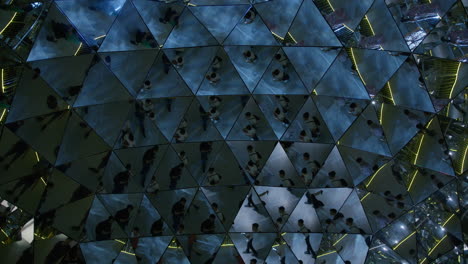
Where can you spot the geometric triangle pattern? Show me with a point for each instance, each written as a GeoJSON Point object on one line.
{"type": "Point", "coordinates": [236, 131]}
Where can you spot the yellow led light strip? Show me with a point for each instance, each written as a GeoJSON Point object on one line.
{"type": "Point", "coordinates": [43, 181]}
{"type": "Point", "coordinates": [96, 38]}
{"type": "Point", "coordinates": [365, 196]}
{"type": "Point", "coordinates": [79, 47]}
{"type": "Point", "coordinates": [391, 94]}
{"type": "Point", "coordinates": [370, 25]}
{"type": "Point", "coordinates": [420, 143]}
{"type": "Point", "coordinates": [328, 1]}
{"type": "Point", "coordinates": [412, 180]}
{"type": "Point", "coordinates": [126, 252]}
{"type": "Point", "coordinates": [11, 21]}
{"type": "Point", "coordinates": [403, 241]}
{"type": "Point", "coordinates": [456, 79]}
{"type": "Point", "coordinates": [3, 87]}
{"type": "Point", "coordinates": [276, 35]}
{"type": "Point", "coordinates": [375, 174]}
{"type": "Point", "coordinates": [37, 157]}
{"type": "Point", "coordinates": [381, 114]}
{"type": "Point", "coordinates": [357, 68]}
{"type": "Point", "coordinates": [328, 253]}
{"type": "Point", "coordinates": [341, 238]}
{"type": "Point", "coordinates": [3, 114]}
{"type": "Point", "coordinates": [463, 159]}
{"type": "Point", "coordinates": [291, 36]}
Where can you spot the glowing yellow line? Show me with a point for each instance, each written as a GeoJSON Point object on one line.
{"type": "Point", "coordinates": [1, 118]}
{"type": "Point", "coordinates": [463, 160]}
{"type": "Point", "coordinates": [370, 25]}
{"type": "Point", "coordinates": [11, 20]}
{"type": "Point", "coordinates": [350, 29]}
{"type": "Point", "coordinates": [419, 148]}
{"type": "Point", "coordinates": [456, 79]}
{"type": "Point", "coordinates": [43, 181]}
{"type": "Point", "coordinates": [3, 87]}
{"type": "Point", "coordinates": [401, 242]}
{"type": "Point", "coordinates": [328, 1]}
{"type": "Point", "coordinates": [375, 174]}
{"type": "Point", "coordinates": [357, 68]}
{"type": "Point", "coordinates": [120, 241]}
{"type": "Point", "coordinates": [190, 4]}
{"type": "Point", "coordinates": [276, 35]}
{"type": "Point", "coordinates": [432, 250]}
{"type": "Point", "coordinates": [391, 94]}
{"type": "Point", "coordinates": [37, 157]}
{"type": "Point", "coordinates": [381, 114]}
{"type": "Point", "coordinates": [79, 47]}
{"type": "Point", "coordinates": [365, 196]}
{"type": "Point", "coordinates": [328, 253]}
{"type": "Point", "coordinates": [4, 233]}
{"type": "Point", "coordinates": [341, 238]}
{"type": "Point", "coordinates": [420, 143]}
{"type": "Point", "coordinates": [290, 35]}
{"type": "Point", "coordinates": [96, 38]}
{"type": "Point", "coordinates": [450, 218]}
{"type": "Point", "coordinates": [227, 245]}
{"type": "Point", "coordinates": [127, 253]}
{"type": "Point", "coordinates": [412, 180]}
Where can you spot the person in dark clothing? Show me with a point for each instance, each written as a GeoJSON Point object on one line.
{"type": "Point", "coordinates": [104, 229]}
{"type": "Point", "coordinates": [208, 226]}
{"type": "Point", "coordinates": [26, 182]}
{"type": "Point", "coordinates": [102, 164]}
{"type": "Point", "coordinates": [174, 174]}
{"type": "Point", "coordinates": [16, 150]}
{"type": "Point", "coordinates": [58, 251]}
{"type": "Point", "coordinates": [170, 17]}
{"type": "Point", "coordinates": [178, 213]}
{"type": "Point", "coordinates": [121, 179]}
{"type": "Point", "coordinates": [123, 216]}
{"type": "Point", "coordinates": [167, 65]}
{"type": "Point", "coordinates": [205, 150]}
{"type": "Point", "coordinates": [148, 159]}
{"type": "Point", "coordinates": [157, 227]}
{"type": "Point", "coordinates": [311, 199]}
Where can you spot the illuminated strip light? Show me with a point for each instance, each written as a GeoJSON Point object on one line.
{"type": "Point", "coordinates": [4, 233]}
{"type": "Point", "coordinates": [370, 25]}
{"type": "Point", "coordinates": [381, 114]}
{"type": "Point", "coordinates": [3, 87]}
{"type": "Point", "coordinates": [365, 196]}
{"type": "Point", "coordinates": [79, 47]}
{"type": "Point", "coordinates": [120, 241]}
{"type": "Point", "coordinates": [126, 252]}
{"type": "Point", "coordinates": [190, 4]}
{"type": "Point", "coordinates": [357, 68]}
{"type": "Point", "coordinates": [375, 174]}
{"type": "Point", "coordinates": [463, 159]}
{"type": "Point", "coordinates": [446, 221]}
{"type": "Point", "coordinates": [412, 180]}
{"type": "Point", "coordinates": [11, 21]}
{"type": "Point", "coordinates": [401, 242]}
{"type": "Point", "coordinates": [328, 1]}
{"type": "Point", "coordinates": [276, 35]}
{"type": "Point", "coordinates": [290, 35]}
{"type": "Point", "coordinates": [325, 254]}
{"type": "Point", "coordinates": [37, 157]}
{"type": "Point", "coordinates": [339, 240]}
{"type": "Point", "coordinates": [45, 184]}
{"type": "Point", "coordinates": [456, 79]}
{"type": "Point", "coordinates": [227, 245]}
{"type": "Point", "coordinates": [420, 143]}
{"type": "Point", "coordinates": [3, 114]}
{"type": "Point", "coordinates": [350, 29]}
{"type": "Point", "coordinates": [96, 38]}
{"type": "Point", "coordinates": [440, 241]}
{"type": "Point", "coordinates": [391, 94]}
